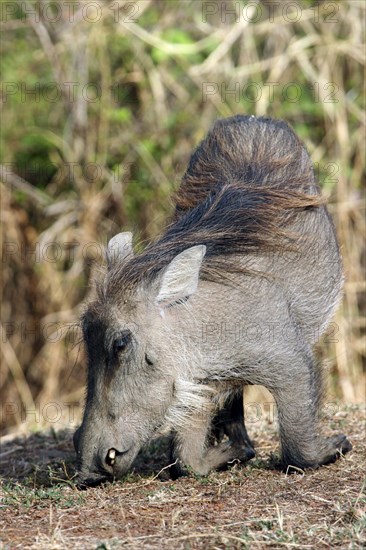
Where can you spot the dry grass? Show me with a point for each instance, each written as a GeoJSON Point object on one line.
{"type": "Point", "coordinates": [140, 139]}
{"type": "Point", "coordinates": [249, 507]}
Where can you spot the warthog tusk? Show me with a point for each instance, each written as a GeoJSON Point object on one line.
{"type": "Point", "coordinates": [112, 456]}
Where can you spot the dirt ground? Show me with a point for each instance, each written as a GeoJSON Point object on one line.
{"type": "Point", "coordinates": [253, 506]}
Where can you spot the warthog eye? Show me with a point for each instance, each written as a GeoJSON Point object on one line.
{"type": "Point", "coordinates": [121, 343]}
{"type": "Point", "coordinates": [148, 360]}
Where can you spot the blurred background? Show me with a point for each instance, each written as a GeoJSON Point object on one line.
{"type": "Point", "coordinates": [101, 106]}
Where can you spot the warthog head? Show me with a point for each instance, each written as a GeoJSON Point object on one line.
{"type": "Point", "coordinates": [129, 333]}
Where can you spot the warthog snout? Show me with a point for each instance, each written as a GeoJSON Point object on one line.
{"type": "Point", "coordinates": [102, 460]}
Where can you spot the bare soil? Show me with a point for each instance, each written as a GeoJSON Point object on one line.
{"type": "Point", "coordinates": [252, 506]}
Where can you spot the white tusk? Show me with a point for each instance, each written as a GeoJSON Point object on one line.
{"type": "Point", "coordinates": [112, 454]}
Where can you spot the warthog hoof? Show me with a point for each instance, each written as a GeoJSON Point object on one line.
{"type": "Point", "coordinates": [338, 446]}
{"type": "Point", "coordinates": [328, 451]}
{"type": "Point", "coordinates": [240, 453]}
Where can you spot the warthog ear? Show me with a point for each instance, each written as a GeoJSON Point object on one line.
{"type": "Point", "coordinates": [180, 279]}
{"type": "Point", "coordinates": [119, 247]}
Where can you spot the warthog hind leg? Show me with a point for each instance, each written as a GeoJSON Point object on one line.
{"type": "Point", "coordinates": [298, 414]}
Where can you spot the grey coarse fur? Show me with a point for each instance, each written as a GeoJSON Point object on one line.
{"type": "Point", "coordinates": [236, 291]}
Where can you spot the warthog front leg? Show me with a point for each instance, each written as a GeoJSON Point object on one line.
{"type": "Point", "coordinates": [230, 422]}
{"type": "Point", "coordinates": [195, 447]}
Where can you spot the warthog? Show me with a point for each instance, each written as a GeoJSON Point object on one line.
{"type": "Point", "coordinates": [236, 291]}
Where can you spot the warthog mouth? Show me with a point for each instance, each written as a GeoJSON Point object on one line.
{"type": "Point", "coordinates": [108, 467]}
{"type": "Point", "coordinates": [92, 480]}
